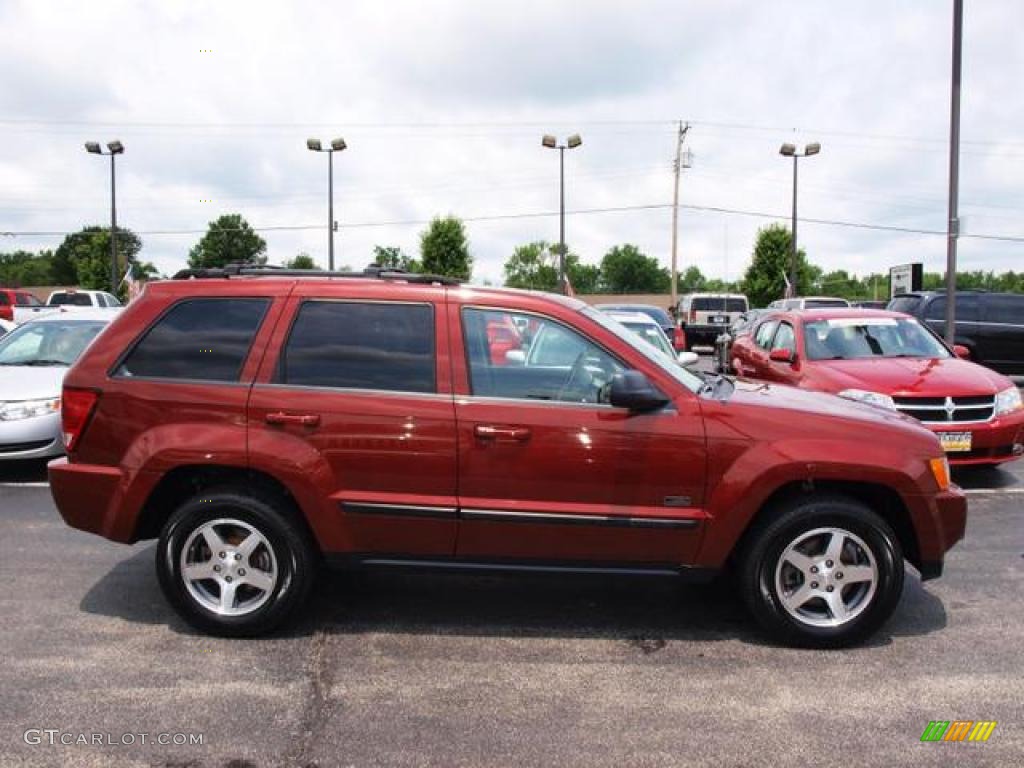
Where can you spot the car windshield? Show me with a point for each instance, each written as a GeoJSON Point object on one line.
{"type": "Point", "coordinates": [854, 338]}
{"type": "Point", "coordinates": [652, 334]}
{"type": "Point", "coordinates": [904, 304]}
{"type": "Point", "coordinates": [48, 343]}
{"type": "Point", "coordinates": [687, 378]}
{"type": "Point", "coordinates": [658, 315]}
{"type": "Point", "coordinates": [825, 303]}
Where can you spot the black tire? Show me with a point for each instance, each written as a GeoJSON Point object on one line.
{"type": "Point", "coordinates": [294, 560]}
{"type": "Point", "coordinates": [759, 567]}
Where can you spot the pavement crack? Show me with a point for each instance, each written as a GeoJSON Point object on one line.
{"type": "Point", "coordinates": [317, 703]}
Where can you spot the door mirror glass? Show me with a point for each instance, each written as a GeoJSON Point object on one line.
{"type": "Point", "coordinates": [632, 390]}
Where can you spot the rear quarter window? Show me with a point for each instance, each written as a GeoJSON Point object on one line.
{"type": "Point", "coordinates": [202, 339]}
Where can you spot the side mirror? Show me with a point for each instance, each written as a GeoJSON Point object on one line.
{"type": "Point", "coordinates": [961, 351]}
{"type": "Point", "coordinates": [516, 357]}
{"type": "Point", "coordinates": [782, 355]}
{"type": "Point", "coordinates": [632, 390]}
{"type": "Point", "coordinates": [686, 359]}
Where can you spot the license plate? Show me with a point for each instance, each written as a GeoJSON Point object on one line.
{"type": "Point", "coordinates": [720, 319]}
{"type": "Point", "coordinates": [954, 442]}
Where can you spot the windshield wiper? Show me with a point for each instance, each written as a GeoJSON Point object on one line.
{"type": "Point", "coordinates": [41, 362]}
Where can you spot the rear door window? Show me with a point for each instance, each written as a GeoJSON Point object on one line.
{"type": "Point", "coordinates": [202, 339]}
{"type": "Point", "coordinates": [966, 308]}
{"type": "Point", "coordinates": [361, 345]}
{"type": "Point", "coordinates": [1006, 309]}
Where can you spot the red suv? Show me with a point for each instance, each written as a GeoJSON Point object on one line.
{"type": "Point", "coordinates": [258, 422]}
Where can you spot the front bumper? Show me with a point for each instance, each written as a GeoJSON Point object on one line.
{"type": "Point", "coordinates": [992, 442]}
{"type": "Point", "coordinates": [944, 524]}
{"type": "Point", "coordinates": [35, 438]}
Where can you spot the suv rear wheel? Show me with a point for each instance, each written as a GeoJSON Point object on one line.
{"type": "Point", "coordinates": [825, 572]}
{"type": "Point", "coordinates": [233, 563]}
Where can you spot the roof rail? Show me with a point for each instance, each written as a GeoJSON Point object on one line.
{"type": "Point", "coordinates": [373, 271]}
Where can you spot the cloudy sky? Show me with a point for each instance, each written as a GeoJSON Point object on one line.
{"type": "Point", "coordinates": [443, 104]}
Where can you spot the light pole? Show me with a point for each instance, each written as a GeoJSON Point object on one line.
{"type": "Point", "coordinates": [114, 148]}
{"type": "Point", "coordinates": [953, 225]}
{"type": "Point", "coordinates": [551, 142]}
{"type": "Point", "coordinates": [337, 145]}
{"type": "Point", "coordinates": [789, 150]}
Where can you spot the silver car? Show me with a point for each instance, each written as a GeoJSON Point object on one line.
{"type": "Point", "coordinates": [33, 360]}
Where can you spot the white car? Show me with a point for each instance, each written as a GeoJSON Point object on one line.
{"type": "Point", "coordinates": [33, 360]}
{"type": "Point", "coordinates": [646, 328]}
{"type": "Point", "coordinates": [809, 302]}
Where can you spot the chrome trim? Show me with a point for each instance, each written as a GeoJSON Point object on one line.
{"type": "Point", "coordinates": [447, 396]}
{"type": "Point", "coordinates": [398, 510]}
{"type": "Point", "coordinates": [949, 407]}
{"type": "Point", "coordinates": [581, 519]}
{"type": "Point", "coordinates": [668, 409]}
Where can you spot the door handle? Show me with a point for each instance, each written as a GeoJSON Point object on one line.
{"type": "Point", "coordinates": [302, 419]}
{"type": "Point", "coordinates": [501, 434]}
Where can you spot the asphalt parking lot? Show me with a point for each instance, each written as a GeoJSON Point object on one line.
{"type": "Point", "coordinates": [393, 669]}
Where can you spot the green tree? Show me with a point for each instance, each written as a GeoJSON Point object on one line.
{"type": "Point", "coordinates": [229, 239]}
{"type": "Point", "coordinates": [691, 281]}
{"type": "Point", "coordinates": [534, 266]}
{"type": "Point", "coordinates": [765, 278]}
{"type": "Point", "coordinates": [626, 269]}
{"type": "Point", "coordinates": [444, 249]}
{"type": "Point", "coordinates": [392, 257]}
{"type": "Point", "coordinates": [302, 260]}
{"type": "Point", "coordinates": [22, 268]}
{"type": "Point", "coordinates": [83, 258]}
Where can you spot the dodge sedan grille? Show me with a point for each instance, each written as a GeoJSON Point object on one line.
{"type": "Point", "coordinates": [949, 410]}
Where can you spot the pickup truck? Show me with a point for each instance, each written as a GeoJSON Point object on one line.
{"type": "Point", "coordinates": [64, 300]}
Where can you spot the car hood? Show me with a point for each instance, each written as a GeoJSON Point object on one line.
{"type": "Point", "coordinates": [759, 394]}
{"type": "Point", "coordinates": [27, 382]}
{"type": "Point", "coordinates": [924, 377]}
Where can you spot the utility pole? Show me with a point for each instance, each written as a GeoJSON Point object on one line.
{"type": "Point", "coordinates": [677, 167]}
{"type": "Point", "coordinates": [953, 225]}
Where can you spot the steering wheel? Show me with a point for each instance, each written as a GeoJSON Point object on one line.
{"type": "Point", "coordinates": [578, 367]}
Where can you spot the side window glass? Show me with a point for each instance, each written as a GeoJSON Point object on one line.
{"type": "Point", "coordinates": [530, 357]}
{"type": "Point", "coordinates": [101, 299]}
{"type": "Point", "coordinates": [1005, 309]}
{"type": "Point", "coordinates": [764, 333]}
{"type": "Point", "coordinates": [361, 345]}
{"type": "Point", "coordinates": [784, 338]}
{"type": "Point", "coordinates": [966, 309]}
{"type": "Point", "coordinates": [205, 339]}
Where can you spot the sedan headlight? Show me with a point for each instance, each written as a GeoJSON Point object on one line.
{"type": "Point", "coordinates": [1008, 401]}
{"type": "Point", "coordinates": [871, 398]}
{"type": "Point", "coordinates": [14, 410]}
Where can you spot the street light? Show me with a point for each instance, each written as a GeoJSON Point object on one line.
{"type": "Point", "coordinates": [337, 145]}
{"type": "Point", "coordinates": [551, 142]}
{"type": "Point", "coordinates": [789, 150]}
{"type": "Point", "coordinates": [114, 148]}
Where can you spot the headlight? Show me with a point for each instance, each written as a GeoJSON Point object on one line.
{"type": "Point", "coordinates": [871, 398]}
{"type": "Point", "coordinates": [1008, 401]}
{"type": "Point", "coordinates": [14, 410]}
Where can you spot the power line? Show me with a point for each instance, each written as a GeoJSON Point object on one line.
{"type": "Point", "coordinates": [547, 214]}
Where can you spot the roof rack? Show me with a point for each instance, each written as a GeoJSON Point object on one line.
{"type": "Point", "coordinates": [374, 271]}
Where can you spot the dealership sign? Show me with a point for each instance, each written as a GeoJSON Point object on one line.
{"type": "Point", "coordinates": [905, 278]}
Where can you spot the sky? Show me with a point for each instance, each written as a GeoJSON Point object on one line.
{"type": "Point", "coordinates": [443, 105]}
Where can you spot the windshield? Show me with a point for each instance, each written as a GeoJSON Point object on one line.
{"type": "Point", "coordinates": [904, 304]}
{"type": "Point", "coordinates": [651, 334]}
{"type": "Point", "coordinates": [825, 303]}
{"type": "Point", "coordinates": [854, 338]}
{"type": "Point", "coordinates": [48, 343]}
{"type": "Point", "coordinates": [688, 379]}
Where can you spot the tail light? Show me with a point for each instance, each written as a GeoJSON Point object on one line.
{"type": "Point", "coordinates": [76, 408]}
{"type": "Point", "coordinates": [7, 313]}
{"type": "Point", "coordinates": [679, 339]}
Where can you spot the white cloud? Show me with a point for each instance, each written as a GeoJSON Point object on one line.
{"type": "Point", "coordinates": [443, 105]}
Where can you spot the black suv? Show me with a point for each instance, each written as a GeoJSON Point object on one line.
{"type": "Point", "coordinates": [990, 325]}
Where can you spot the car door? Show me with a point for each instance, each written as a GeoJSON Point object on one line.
{"type": "Point", "coordinates": [1001, 334]}
{"type": "Point", "coordinates": [356, 400]}
{"type": "Point", "coordinates": [756, 363]}
{"type": "Point", "coordinates": [547, 472]}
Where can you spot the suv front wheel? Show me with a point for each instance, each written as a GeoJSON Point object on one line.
{"type": "Point", "coordinates": [825, 572]}
{"type": "Point", "coordinates": [233, 563]}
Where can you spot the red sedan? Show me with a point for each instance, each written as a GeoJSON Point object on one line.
{"type": "Point", "coordinates": [890, 360]}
